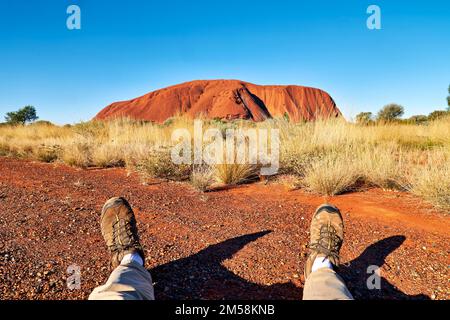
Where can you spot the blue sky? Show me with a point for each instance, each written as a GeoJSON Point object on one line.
{"type": "Point", "coordinates": [128, 48]}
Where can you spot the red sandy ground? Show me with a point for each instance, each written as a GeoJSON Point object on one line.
{"type": "Point", "coordinates": [225, 99]}
{"type": "Point", "coordinates": [243, 243]}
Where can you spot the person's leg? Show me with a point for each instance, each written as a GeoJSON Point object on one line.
{"type": "Point", "coordinates": [127, 282]}
{"type": "Point", "coordinates": [326, 237]}
{"type": "Point", "coordinates": [129, 279]}
{"type": "Point", "coordinates": [325, 284]}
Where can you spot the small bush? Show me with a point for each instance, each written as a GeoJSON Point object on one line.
{"type": "Point", "coordinates": [159, 164]}
{"type": "Point", "coordinates": [438, 114]}
{"type": "Point", "coordinates": [231, 174]}
{"type": "Point", "coordinates": [296, 161]}
{"type": "Point", "coordinates": [202, 177]}
{"type": "Point", "coordinates": [4, 148]}
{"type": "Point", "coordinates": [364, 118]}
{"type": "Point", "coordinates": [42, 123]}
{"type": "Point", "coordinates": [433, 184]}
{"type": "Point", "coordinates": [47, 153]}
{"type": "Point", "coordinates": [382, 167]}
{"type": "Point", "coordinates": [333, 174]}
{"type": "Point", "coordinates": [432, 181]}
{"type": "Point", "coordinates": [91, 129]}
{"type": "Point", "coordinates": [108, 155]}
{"type": "Point", "coordinates": [77, 155]}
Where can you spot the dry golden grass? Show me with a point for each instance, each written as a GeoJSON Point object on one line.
{"type": "Point", "coordinates": [158, 164]}
{"type": "Point", "coordinates": [432, 180]}
{"type": "Point", "coordinates": [202, 177]}
{"type": "Point", "coordinates": [233, 173]}
{"type": "Point", "coordinates": [383, 166]}
{"type": "Point", "coordinates": [332, 157]}
{"type": "Point", "coordinates": [76, 154]}
{"type": "Point", "coordinates": [108, 155]}
{"type": "Point", "coordinates": [327, 156]}
{"type": "Point", "coordinates": [331, 174]}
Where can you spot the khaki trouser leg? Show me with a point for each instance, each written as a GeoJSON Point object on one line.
{"type": "Point", "coordinates": [126, 282]}
{"type": "Point", "coordinates": [325, 284]}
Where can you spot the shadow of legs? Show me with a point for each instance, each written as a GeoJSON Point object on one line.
{"type": "Point", "coordinates": [355, 273]}
{"type": "Point", "coordinates": [202, 276]}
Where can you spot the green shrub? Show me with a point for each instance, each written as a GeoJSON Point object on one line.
{"type": "Point", "coordinates": [390, 113]}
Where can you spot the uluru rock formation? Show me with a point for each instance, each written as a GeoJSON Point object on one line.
{"type": "Point", "coordinates": [226, 99]}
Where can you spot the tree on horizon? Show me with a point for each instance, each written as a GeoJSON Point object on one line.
{"type": "Point", "coordinates": [448, 99]}
{"type": "Point", "coordinates": [364, 118]}
{"type": "Point", "coordinates": [22, 116]}
{"type": "Point", "coordinates": [437, 114]}
{"type": "Point", "coordinates": [390, 112]}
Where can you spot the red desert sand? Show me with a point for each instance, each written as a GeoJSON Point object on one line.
{"type": "Point", "coordinates": [226, 99]}
{"type": "Point", "coordinates": [244, 243]}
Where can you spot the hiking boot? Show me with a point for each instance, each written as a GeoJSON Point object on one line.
{"type": "Point", "coordinates": [326, 236]}
{"type": "Point", "coordinates": [118, 226]}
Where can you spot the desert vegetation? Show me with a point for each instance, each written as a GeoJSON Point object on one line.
{"type": "Point", "coordinates": [22, 116]}
{"type": "Point", "coordinates": [392, 113]}
{"type": "Point", "coordinates": [327, 157]}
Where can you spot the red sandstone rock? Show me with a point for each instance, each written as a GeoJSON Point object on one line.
{"type": "Point", "coordinates": [226, 99]}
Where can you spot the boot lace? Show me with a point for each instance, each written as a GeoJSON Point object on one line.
{"type": "Point", "coordinates": [329, 243]}
{"type": "Point", "coordinates": [123, 235]}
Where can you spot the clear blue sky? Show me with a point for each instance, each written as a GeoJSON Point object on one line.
{"type": "Point", "coordinates": [128, 48]}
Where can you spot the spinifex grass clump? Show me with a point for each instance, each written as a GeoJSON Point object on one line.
{"type": "Point", "coordinates": [202, 177]}
{"type": "Point", "coordinates": [431, 181]}
{"type": "Point", "coordinates": [158, 164]}
{"type": "Point", "coordinates": [233, 173]}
